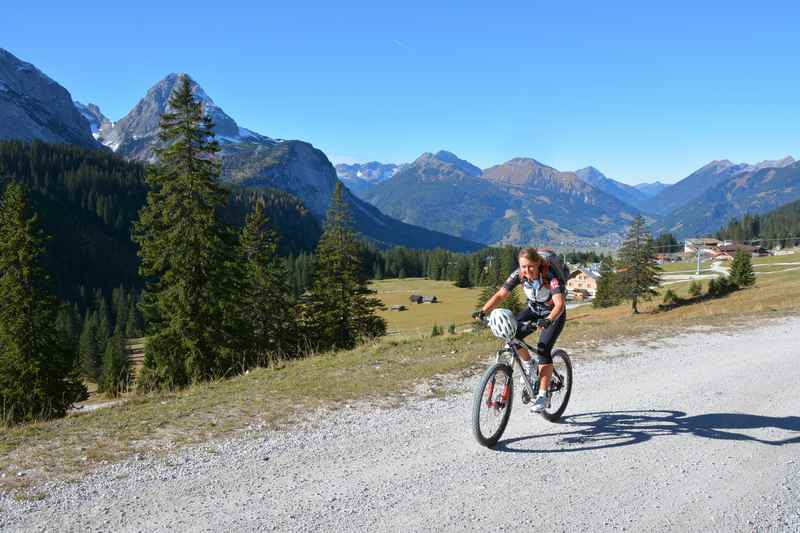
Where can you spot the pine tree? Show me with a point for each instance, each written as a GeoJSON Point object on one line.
{"type": "Point", "coordinates": [607, 294]}
{"type": "Point", "coordinates": [515, 302]}
{"type": "Point", "coordinates": [268, 303]}
{"type": "Point", "coordinates": [68, 325]}
{"type": "Point", "coordinates": [340, 310]}
{"type": "Point", "coordinates": [89, 350]}
{"type": "Point", "coordinates": [486, 293]}
{"type": "Point", "coordinates": [638, 271]}
{"type": "Point", "coordinates": [133, 326]}
{"type": "Point", "coordinates": [116, 377]}
{"type": "Point", "coordinates": [742, 270]}
{"type": "Point", "coordinates": [38, 378]}
{"type": "Point", "coordinates": [186, 250]}
{"type": "Point", "coordinates": [104, 328]}
{"type": "Point", "coordinates": [462, 273]}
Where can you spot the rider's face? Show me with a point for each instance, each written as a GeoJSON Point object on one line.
{"type": "Point", "coordinates": [528, 268]}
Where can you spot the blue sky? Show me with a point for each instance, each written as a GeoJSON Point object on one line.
{"type": "Point", "coordinates": [640, 91]}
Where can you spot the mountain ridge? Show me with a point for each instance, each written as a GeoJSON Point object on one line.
{"type": "Point", "coordinates": [34, 106]}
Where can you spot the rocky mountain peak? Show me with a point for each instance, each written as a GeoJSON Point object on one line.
{"type": "Point", "coordinates": [775, 163]}
{"type": "Point", "coordinates": [360, 177]}
{"type": "Point", "coordinates": [98, 122]}
{"type": "Point", "coordinates": [590, 174]}
{"type": "Point", "coordinates": [135, 135]}
{"type": "Point", "coordinates": [33, 106]}
{"type": "Point", "coordinates": [528, 172]}
{"type": "Point", "coordinates": [443, 157]}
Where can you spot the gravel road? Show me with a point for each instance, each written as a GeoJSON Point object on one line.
{"type": "Point", "coordinates": [659, 436]}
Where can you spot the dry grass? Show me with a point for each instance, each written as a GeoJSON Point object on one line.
{"type": "Point", "coordinates": [454, 306]}
{"type": "Point", "coordinates": [386, 369]}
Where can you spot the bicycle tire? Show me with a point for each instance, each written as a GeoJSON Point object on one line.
{"type": "Point", "coordinates": [499, 415]}
{"type": "Point", "coordinates": [562, 366]}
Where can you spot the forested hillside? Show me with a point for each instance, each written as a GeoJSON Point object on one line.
{"type": "Point", "coordinates": [781, 226]}
{"type": "Point", "coordinates": [88, 200]}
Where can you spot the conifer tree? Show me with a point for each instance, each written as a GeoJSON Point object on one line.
{"type": "Point", "coordinates": [90, 351]}
{"type": "Point", "coordinates": [185, 251]}
{"type": "Point", "coordinates": [68, 325]}
{"type": "Point", "coordinates": [638, 271]}
{"type": "Point", "coordinates": [340, 310]}
{"type": "Point", "coordinates": [607, 294]}
{"type": "Point", "coordinates": [38, 378]}
{"type": "Point", "coordinates": [116, 377]}
{"type": "Point", "coordinates": [133, 325]}
{"type": "Point", "coordinates": [486, 293]}
{"type": "Point", "coordinates": [267, 304]}
{"type": "Point", "coordinates": [742, 270]}
{"type": "Point", "coordinates": [515, 302]}
{"type": "Point", "coordinates": [104, 328]}
{"type": "Point", "coordinates": [462, 273]}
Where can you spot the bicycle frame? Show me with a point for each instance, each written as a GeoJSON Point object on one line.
{"type": "Point", "coordinates": [511, 350]}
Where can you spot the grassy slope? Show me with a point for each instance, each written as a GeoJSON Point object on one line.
{"type": "Point", "coordinates": [387, 368]}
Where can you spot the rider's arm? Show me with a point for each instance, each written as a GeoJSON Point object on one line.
{"type": "Point", "coordinates": [497, 298]}
{"type": "Point", "coordinates": [558, 307]}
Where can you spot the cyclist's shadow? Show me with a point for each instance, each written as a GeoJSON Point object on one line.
{"type": "Point", "coordinates": [592, 431]}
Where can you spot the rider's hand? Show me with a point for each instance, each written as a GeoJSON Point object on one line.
{"type": "Point", "coordinates": [479, 314]}
{"type": "Point", "coordinates": [544, 323]}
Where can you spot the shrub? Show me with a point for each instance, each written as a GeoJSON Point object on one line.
{"type": "Point", "coordinates": [451, 329]}
{"type": "Point", "coordinates": [720, 286]}
{"type": "Point", "coordinates": [695, 289]}
{"type": "Point", "coordinates": [436, 331]}
{"type": "Point", "coordinates": [670, 297]}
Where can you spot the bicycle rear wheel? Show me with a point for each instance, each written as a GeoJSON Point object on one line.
{"type": "Point", "coordinates": [560, 388]}
{"type": "Point", "coordinates": [491, 404]}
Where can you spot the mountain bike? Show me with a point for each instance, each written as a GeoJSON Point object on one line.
{"type": "Point", "coordinates": [494, 393]}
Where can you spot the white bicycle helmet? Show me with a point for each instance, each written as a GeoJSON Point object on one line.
{"type": "Point", "coordinates": [503, 324]}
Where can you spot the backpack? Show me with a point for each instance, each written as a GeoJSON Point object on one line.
{"type": "Point", "coordinates": [555, 265]}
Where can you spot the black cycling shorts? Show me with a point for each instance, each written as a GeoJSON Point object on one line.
{"type": "Point", "coordinates": [527, 320]}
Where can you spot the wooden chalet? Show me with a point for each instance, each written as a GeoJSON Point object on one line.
{"type": "Point", "coordinates": [583, 280]}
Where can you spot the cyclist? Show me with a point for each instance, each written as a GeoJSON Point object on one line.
{"type": "Point", "coordinates": [546, 310]}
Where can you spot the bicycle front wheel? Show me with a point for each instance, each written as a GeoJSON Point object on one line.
{"type": "Point", "coordinates": [491, 404]}
{"type": "Point", "coordinates": [560, 388]}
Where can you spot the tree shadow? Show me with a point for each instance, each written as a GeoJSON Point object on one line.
{"type": "Point", "coordinates": [594, 431]}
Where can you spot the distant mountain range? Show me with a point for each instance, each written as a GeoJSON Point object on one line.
{"type": "Point", "coordinates": [32, 106]}
{"type": "Point", "coordinates": [255, 161]}
{"type": "Point", "coordinates": [453, 203]}
{"type": "Point", "coordinates": [626, 193]}
{"type": "Point", "coordinates": [361, 177]}
{"type": "Point", "coordinates": [756, 189]}
{"type": "Point", "coordinates": [651, 189]}
{"type": "Point", "coordinates": [525, 201]}
{"type": "Point", "coordinates": [697, 183]}
{"type": "Point", "coordinates": [520, 201]}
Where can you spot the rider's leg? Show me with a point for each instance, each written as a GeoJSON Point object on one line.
{"type": "Point", "coordinates": [547, 340]}
{"type": "Point", "coordinates": [524, 319]}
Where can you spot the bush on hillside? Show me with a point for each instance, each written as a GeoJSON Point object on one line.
{"type": "Point", "coordinates": [720, 286]}
{"type": "Point", "coordinates": [695, 289]}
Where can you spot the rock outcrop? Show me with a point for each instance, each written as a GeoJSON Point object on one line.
{"type": "Point", "coordinates": [33, 106]}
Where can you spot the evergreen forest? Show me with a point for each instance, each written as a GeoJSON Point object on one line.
{"type": "Point", "coordinates": [780, 227]}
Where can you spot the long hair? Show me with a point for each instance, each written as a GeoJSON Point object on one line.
{"type": "Point", "coordinates": [532, 255]}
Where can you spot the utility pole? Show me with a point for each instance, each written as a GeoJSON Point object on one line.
{"type": "Point", "coordinates": [697, 273]}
